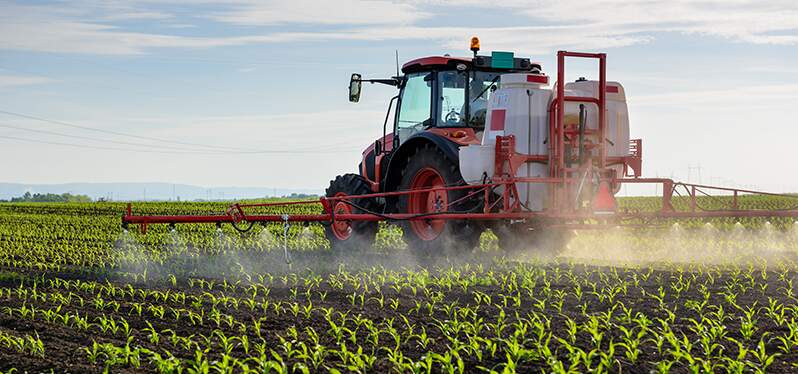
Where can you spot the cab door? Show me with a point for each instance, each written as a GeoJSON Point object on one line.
{"type": "Point", "coordinates": [415, 106]}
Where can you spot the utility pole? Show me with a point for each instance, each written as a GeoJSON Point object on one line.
{"type": "Point", "coordinates": [690, 169]}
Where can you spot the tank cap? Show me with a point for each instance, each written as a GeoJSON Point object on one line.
{"type": "Point", "coordinates": [581, 79]}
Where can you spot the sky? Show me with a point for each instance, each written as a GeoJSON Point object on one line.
{"type": "Point", "coordinates": [254, 93]}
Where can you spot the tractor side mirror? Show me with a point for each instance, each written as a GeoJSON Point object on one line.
{"type": "Point", "coordinates": [354, 87]}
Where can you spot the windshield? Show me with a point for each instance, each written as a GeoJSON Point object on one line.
{"type": "Point", "coordinates": [464, 97]}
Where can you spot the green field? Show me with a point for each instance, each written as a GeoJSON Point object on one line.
{"type": "Point", "coordinates": [78, 294]}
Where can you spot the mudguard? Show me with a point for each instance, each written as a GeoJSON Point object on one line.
{"type": "Point", "coordinates": [396, 164]}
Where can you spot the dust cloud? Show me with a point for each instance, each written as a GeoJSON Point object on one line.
{"type": "Point", "coordinates": [146, 259]}
{"type": "Point", "coordinates": [677, 244]}
{"type": "Point", "coordinates": [225, 256]}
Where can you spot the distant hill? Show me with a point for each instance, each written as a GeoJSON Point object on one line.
{"type": "Point", "coordinates": [147, 191]}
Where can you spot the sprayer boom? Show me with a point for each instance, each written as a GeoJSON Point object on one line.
{"type": "Point", "coordinates": [690, 198]}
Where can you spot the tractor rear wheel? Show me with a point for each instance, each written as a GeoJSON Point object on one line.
{"type": "Point", "coordinates": [539, 241]}
{"type": "Point", "coordinates": [430, 168]}
{"type": "Point", "coordinates": [348, 236]}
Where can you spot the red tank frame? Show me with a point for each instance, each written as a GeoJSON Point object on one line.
{"type": "Point", "coordinates": [564, 185]}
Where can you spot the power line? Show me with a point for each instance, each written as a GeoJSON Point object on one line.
{"type": "Point", "coordinates": [90, 138]}
{"type": "Point", "coordinates": [221, 149]}
{"type": "Point", "coordinates": [151, 151]}
{"type": "Point", "coordinates": [67, 124]}
{"type": "Point", "coordinates": [83, 145]}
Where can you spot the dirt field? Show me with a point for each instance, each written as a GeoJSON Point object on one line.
{"type": "Point", "coordinates": [485, 316]}
{"type": "Point", "coordinates": [78, 297]}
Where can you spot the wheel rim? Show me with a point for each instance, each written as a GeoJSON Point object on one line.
{"type": "Point", "coordinates": [428, 202]}
{"type": "Point", "coordinates": [342, 229]}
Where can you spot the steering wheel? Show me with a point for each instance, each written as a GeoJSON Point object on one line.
{"type": "Point", "coordinates": [418, 126]}
{"type": "Point", "coordinates": [452, 117]}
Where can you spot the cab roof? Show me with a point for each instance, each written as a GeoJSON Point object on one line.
{"type": "Point", "coordinates": [480, 62]}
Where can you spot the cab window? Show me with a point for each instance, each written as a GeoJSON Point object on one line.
{"type": "Point", "coordinates": [464, 94]}
{"type": "Point", "coordinates": [451, 108]}
{"type": "Point", "coordinates": [415, 110]}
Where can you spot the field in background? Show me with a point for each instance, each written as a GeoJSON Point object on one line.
{"type": "Point", "coordinates": [79, 294]}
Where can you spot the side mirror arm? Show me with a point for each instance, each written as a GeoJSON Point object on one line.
{"type": "Point", "coordinates": [356, 81]}
{"type": "Point", "coordinates": [390, 82]}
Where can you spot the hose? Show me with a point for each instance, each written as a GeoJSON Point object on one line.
{"type": "Point", "coordinates": [243, 230]}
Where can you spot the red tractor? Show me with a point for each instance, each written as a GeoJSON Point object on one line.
{"type": "Point", "coordinates": [441, 106]}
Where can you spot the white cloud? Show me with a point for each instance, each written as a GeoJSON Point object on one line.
{"type": "Point", "coordinates": [757, 21]}
{"type": "Point", "coordinates": [737, 97]}
{"type": "Point", "coordinates": [340, 12]}
{"type": "Point", "coordinates": [21, 80]}
{"type": "Point", "coordinates": [136, 15]}
{"type": "Point", "coordinates": [601, 24]}
{"type": "Point", "coordinates": [42, 29]}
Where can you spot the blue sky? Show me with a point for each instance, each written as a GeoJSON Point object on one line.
{"type": "Point", "coordinates": [235, 84]}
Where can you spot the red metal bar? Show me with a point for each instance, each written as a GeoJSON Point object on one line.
{"type": "Point", "coordinates": [731, 189]}
{"type": "Point", "coordinates": [602, 109]}
{"type": "Point", "coordinates": [581, 54]}
{"type": "Point", "coordinates": [621, 216]}
{"type": "Point", "coordinates": [557, 159]}
{"type": "Point", "coordinates": [166, 219]}
{"type": "Point", "coordinates": [592, 100]}
{"type": "Point", "coordinates": [559, 151]}
{"type": "Point", "coordinates": [553, 115]}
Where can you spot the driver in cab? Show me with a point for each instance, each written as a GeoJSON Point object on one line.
{"type": "Point", "coordinates": [478, 103]}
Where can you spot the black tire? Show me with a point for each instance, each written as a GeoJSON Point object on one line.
{"type": "Point", "coordinates": [456, 237]}
{"type": "Point", "coordinates": [539, 241]}
{"type": "Point", "coordinates": [361, 233]}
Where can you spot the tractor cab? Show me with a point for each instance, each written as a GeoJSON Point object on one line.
{"type": "Point", "coordinates": [447, 92]}
{"type": "Point", "coordinates": [444, 92]}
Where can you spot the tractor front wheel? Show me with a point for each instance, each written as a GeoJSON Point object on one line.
{"type": "Point", "coordinates": [349, 236]}
{"type": "Point", "coordinates": [427, 169]}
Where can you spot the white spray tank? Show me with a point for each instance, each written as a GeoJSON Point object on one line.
{"type": "Point", "coordinates": [519, 108]}
{"type": "Point", "coordinates": [617, 117]}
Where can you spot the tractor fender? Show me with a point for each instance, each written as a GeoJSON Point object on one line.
{"type": "Point", "coordinates": [393, 175]}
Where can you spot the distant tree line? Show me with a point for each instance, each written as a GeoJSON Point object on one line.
{"type": "Point", "coordinates": [50, 198]}
{"type": "Point", "coordinates": [295, 195]}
